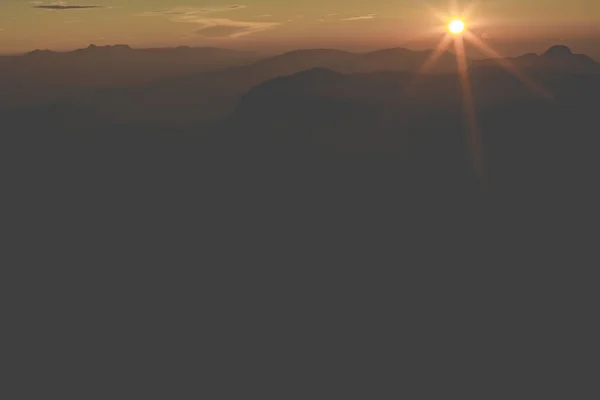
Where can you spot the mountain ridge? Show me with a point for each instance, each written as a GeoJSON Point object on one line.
{"type": "Point", "coordinates": [125, 47]}
{"type": "Point", "coordinates": [558, 58]}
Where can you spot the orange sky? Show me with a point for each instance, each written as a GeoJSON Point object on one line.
{"type": "Point", "coordinates": [516, 25]}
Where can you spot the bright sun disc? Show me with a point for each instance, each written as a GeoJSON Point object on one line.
{"type": "Point", "coordinates": [456, 27]}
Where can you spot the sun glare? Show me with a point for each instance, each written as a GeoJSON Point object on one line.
{"type": "Point", "coordinates": [457, 33]}
{"type": "Point", "coordinates": [456, 27]}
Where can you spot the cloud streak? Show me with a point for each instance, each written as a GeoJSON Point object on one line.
{"type": "Point", "coordinates": [360, 17]}
{"type": "Point", "coordinates": [189, 11]}
{"type": "Point", "coordinates": [62, 6]}
{"type": "Point", "coordinates": [211, 27]}
{"type": "Point", "coordinates": [222, 27]}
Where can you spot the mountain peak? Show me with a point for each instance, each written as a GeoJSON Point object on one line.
{"type": "Point", "coordinates": [115, 47]}
{"type": "Point", "coordinates": [39, 51]}
{"type": "Point", "coordinates": [558, 51]}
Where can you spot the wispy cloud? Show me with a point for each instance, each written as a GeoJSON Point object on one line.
{"type": "Point", "coordinates": [190, 11]}
{"type": "Point", "coordinates": [222, 27]}
{"type": "Point", "coordinates": [210, 26]}
{"type": "Point", "coordinates": [62, 6]}
{"type": "Point", "coordinates": [360, 17]}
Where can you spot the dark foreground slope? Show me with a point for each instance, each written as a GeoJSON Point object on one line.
{"type": "Point", "coordinates": [522, 130]}
{"type": "Point", "coordinates": [313, 157]}
{"type": "Point", "coordinates": [277, 257]}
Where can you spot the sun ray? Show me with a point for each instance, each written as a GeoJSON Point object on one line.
{"type": "Point", "coordinates": [454, 8]}
{"type": "Point", "coordinates": [435, 55]}
{"type": "Point", "coordinates": [425, 35]}
{"type": "Point", "coordinates": [439, 15]}
{"type": "Point", "coordinates": [474, 139]}
{"type": "Point", "coordinates": [470, 9]}
{"type": "Point", "coordinates": [453, 12]}
{"type": "Point", "coordinates": [507, 65]}
{"type": "Point", "coordinates": [457, 32]}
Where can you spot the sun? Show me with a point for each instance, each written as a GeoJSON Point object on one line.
{"type": "Point", "coordinates": [456, 27]}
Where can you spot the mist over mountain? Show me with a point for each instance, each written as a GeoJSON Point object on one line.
{"type": "Point", "coordinates": [114, 65]}
{"type": "Point", "coordinates": [194, 88]}
{"type": "Point", "coordinates": [177, 87]}
{"type": "Point", "coordinates": [326, 100]}
{"type": "Point", "coordinates": [402, 60]}
{"type": "Point", "coordinates": [81, 77]}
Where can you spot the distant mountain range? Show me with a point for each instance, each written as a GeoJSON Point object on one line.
{"type": "Point", "coordinates": [557, 58]}
{"type": "Point", "coordinates": [323, 148]}
{"type": "Point", "coordinates": [191, 87]}
{"type": "Point", "coordinates": [115, 65]}
{"type": "Point", "coordinates": [370, 110]}
{"type": "Point", "coordinates": [397, 59]}
{"type": "Point", "coordinates": [120, 65]}
{"type": "Point", "coordinates": [180, 85]}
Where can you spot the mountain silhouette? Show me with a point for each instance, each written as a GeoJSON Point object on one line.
{"type": "Point", "coordinates": [304, 207]}
{"type": "Point", "coordinates": [323, 110]}
{"type": "Point", "coordinates": [341, 180]}
{"type": "Point", "coordinates": [394, 59]}
{"type": "Point", "coordinates": [44, 77]}
{"type": "Point", "coordinates": [181, 86]}
{"type": "Point", "coordinates": [114, 65]}
{"type": "Point", "coordinates": [208, 53]}
{"type": "Point", "coordinates": [556, 58]}
{"type": "Point", "coordinates": [245, 77]}
{"type": "Point", "coordinates": [400, 59]}
{"type": "Point", "coordinates": [111, 90]}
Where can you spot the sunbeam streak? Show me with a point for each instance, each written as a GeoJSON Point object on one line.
{"type": "Point", "coordinates": [456, 28]}
{"type": "Point", "coordinates": [439, 15]}
{"type": "Point", "coordinates": [474, 134]}
{"type": "Point", "coordinates": [467, 12]}
{"type": "Point", "coordinates": [507, 65]}
{"type": "Point", "coordinates": [455, 22]}
{"type": "Point", "coordinates": [453, 7]}
{"type": "Point", "coordinates": [429, 63]}
{"type": "Point", "coordinates": [454, 11]}
{"type": "Point", "coordinates": [436, 54]}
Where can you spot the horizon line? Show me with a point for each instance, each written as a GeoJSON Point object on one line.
{"type": "Point", "coordinates": [272, 53]}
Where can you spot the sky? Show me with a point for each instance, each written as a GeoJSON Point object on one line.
{"type": "Point", "coordinates": [286, 24]}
